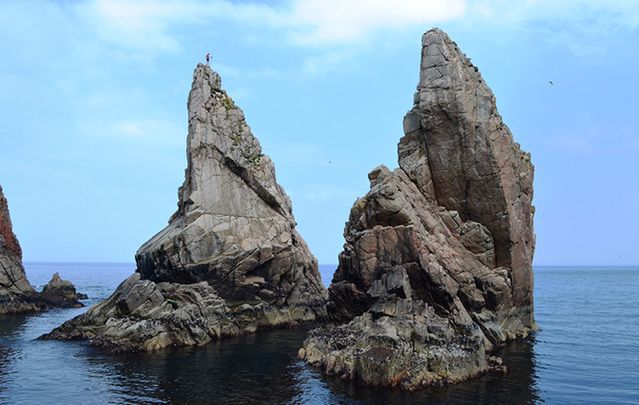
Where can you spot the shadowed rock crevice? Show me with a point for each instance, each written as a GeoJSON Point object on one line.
{"type": "Point", "coordinates": [230, 260]}
{"type": "Point", "coordinates": [436, 270]}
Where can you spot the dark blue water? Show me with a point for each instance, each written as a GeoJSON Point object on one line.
{"type": "Point", "coordinates": [587, 351]}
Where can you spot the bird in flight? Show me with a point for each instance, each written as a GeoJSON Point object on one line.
{"type": "Point", "coordinates": [551, 83]}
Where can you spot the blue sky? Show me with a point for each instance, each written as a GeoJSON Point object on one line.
{"type": "Point", "coordinates": [93, 107]}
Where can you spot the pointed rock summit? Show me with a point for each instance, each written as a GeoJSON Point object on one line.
{"type": "Point", "coordinates": [436, 271]}
{"type": "Point", "coordinates": [230, 260]}
{"type": "Point", "coordinates": [234, 227]}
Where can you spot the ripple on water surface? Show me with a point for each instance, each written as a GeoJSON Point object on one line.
{"type": "Point", "coordinates": [586, 351]}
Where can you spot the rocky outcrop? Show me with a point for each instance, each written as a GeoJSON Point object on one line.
{"type": "Point", "coordinates": [61, 294]}
{"type": "Point", "coordinates": [16, 294]}
{"type": "Point", "coordinates": [436, 271]}
{"type": "Point", "coordinates": [229, 262]}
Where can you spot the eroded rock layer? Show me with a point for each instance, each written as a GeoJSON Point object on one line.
{"type": "Point", "coordinates": [436, 269]}
{"type": "Point", "coordinates": [229, 262]}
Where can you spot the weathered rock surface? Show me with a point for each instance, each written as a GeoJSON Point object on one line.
{"type": "Point", "coordinates": [61, 293]}
{"type": "Point", "coordinates": [16, 294]}
{"type": "Point", "coordinates": [436, 269]}
{"type": "Point", "coordinates": [229, 262]}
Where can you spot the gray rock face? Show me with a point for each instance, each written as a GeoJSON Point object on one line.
{"type": "Point", "coordinates": [230, 260]}
{"type": "Point", "coordinates": [144, 315]}
{"type": "Point", "coordinates": [436, 270]}
{"type": "Point", "coordinates": [16, 294]}
{"type": "Point", "coordinates": [61, 293]}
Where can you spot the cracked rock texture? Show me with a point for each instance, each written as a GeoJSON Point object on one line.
{"type": "Point", "coordinates": [229, 262]}
{"type": "Point", "coordinates": [436, 271]}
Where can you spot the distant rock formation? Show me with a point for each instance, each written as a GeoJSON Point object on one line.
{"type": "Point", "coordinates": [229, 262]}
{"type": "Point", "coordinates": [436, 271]}
{"type": "Point", "coordinates": [61, 293]}
{"type": "Point", "coordinates": [16, 293]}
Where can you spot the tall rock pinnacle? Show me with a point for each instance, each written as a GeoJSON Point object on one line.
{"type": "Point", "coordinates": [234, 227]}
{"type": "Point", "coordinates": [230, 260]}
{"type": "Point", "coordinates": [436, 271]}
{"type": "Point", "coordinates": [473, 166]}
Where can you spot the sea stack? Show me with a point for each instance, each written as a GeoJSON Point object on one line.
{"type": "Point", "coordinates": [16, 293]}
{"type": "Point", "coordinates": [61, 293]}
{"type": "Point", "coordinates": [436, 271]}
{"type": "Point", "coordinates": [230, 260]}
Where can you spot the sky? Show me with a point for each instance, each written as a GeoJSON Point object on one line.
{"type": "Point", "coordinates": [93, 110]}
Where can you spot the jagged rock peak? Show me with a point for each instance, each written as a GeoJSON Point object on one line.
{"type": "Point", "coordinates": [218, 131]}
{"type": "Point", "coordinates": [460, 153]}
{"type": "Point", "coordinates": [436, 270]}
{"type": "Point", "coordinates": [230, 260]}
{"type": "Point", "coordinates": [234, 221]}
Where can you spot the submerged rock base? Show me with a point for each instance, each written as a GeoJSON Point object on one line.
{"type": "Point", "coordinates": [398, 342]}
{"type": "Point", "coordinates": [401, 343]}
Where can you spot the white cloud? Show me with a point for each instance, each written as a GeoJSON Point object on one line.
{"type": "Point", "coordinates": [147, 24]}
{"type": "Point", "coordinates": [333, 32]}
{"type": "Point", "coordinates": [326, 21]}
{"type": "Point", "coordinates": [152, 25]}
{"type": "Point", "coordinates": [136, 25]}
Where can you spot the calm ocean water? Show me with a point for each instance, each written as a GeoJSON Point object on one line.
{"type": "Point", "coordinates": [587, 351]}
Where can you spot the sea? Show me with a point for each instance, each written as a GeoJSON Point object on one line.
{"type": "Point", "coordinates": [585, 352]}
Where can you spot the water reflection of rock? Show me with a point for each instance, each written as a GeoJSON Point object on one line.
{"type": "Point", "coordinates": [9, 325]}
{"type": "Point", "coordinates": [220, 372]}
{"type": "Point", "coordinates": [259, 368]}
{"type": "Point", "coordinates": [262, 368]}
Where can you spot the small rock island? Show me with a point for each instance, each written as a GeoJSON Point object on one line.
{"type": "Point", "coordinates": [16, 293]}
{"type": "Point", "coordinates": [436, 270]}
{"type": "Point", "coordinates": [230, 260]}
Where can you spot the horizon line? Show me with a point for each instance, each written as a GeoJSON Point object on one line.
{"type": "Point", "coordinates": [320, 264]}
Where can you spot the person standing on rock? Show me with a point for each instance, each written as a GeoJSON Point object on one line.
{"type": "Point", "coordinates": [208, 58]}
